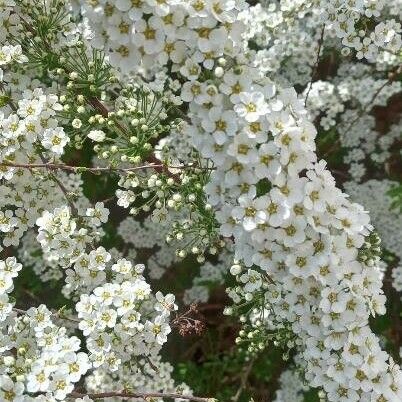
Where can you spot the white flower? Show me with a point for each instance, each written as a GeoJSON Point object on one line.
{"type": "Point", "coordinates": [54, 139]}
{"type": "Point", "coordinates": [99, 214]}
{"type": "Point", "coordinates": [157, 330]}
{"type": "Point", "coordinates": [268, 162]}
{"type": "Point", "coordinates": [11, 391]}
{"type": "Point", "coordinates": [149, 35]}
{"type": "Point", "coordinates": [221, 124]}
{"type": "Point", "coordinates": [166, 303]}
{"type": "Point", "coordinates": [252, 280]}
{"type": "Point", "coordinates": [39, 378]}
{"type": "Point", "coordinates": [251, 106]}
{"type": "Point", "coordinates": [243, 149]}
{"type": "Point", "coordinates": [60, 386]}
{"type": "Point", "coordinates": [7, 221]}
{"type": "Point", "coordinates": [275, 208]}
{"type": "Point", "coordinates": [75, 365]}
{"type": "Point", "coordinates": [99, 258]}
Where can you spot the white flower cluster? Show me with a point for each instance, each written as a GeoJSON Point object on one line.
{"type": "Point", "coordinates": [35, 191]}
{"type": "Point", "coordinates": [10, 54]}
{"type": "Point", "coordinates": [24, 198]}
{"type": "Point", "coordinates": [387, 221]}
{"type": "Point", "coordinates": [288, 34]}
{"type": "Point", "coordinates": [358, 134]}
{"type": "Point", "coordinates": [287, 44]}
{"type": "Point", "coordinates": [291, 387]}
{"type": "Point", "coordinates": [343, 17]}
{"type": "Point", "coordinates": [138, 34]}
{"type": "Point", "coordinates": [63, 241]}
{"type": "Point", "coordinates": [25, 195]}
{"type": "Point", "coordinates": [385, 144]}
{"type": "Point", "coordinates": [149, 235]}
{"type": "Point", "coordinates": [354, 84]}
{"type": "Point", "coordinates": [303, 232]}
{"type": "Point", "coordinates": [35, 120]}
{"type": "Point", "coordinates": [297, 239]}
{"type": "Point", "coordinates": [37, 356]}
{"type": "Point", "coordinates": [120, 319]}
{"type": "Point", "coordinates": [289, 38]}
{"type": "Point", "coordinates": [9, 269]}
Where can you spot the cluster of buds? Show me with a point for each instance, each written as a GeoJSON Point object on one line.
{"type": "Point", "coordinates": [370, 252]}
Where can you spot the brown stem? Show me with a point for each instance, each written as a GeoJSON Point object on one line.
{"type": "Point", "coordinates": [315, 66]}
{"type": "Point", "coordinates": [74, 209]}
{"type": "Point", "coordinates": [393, 75]}
{"type": "Point", "coordinates": [143, 395]}
{"type": "Point", "coordinates": [243, 381]}
{"type": "Point", "coordinates": [95, 170]}
{"type": "Point", "coordinates": [75, 169]}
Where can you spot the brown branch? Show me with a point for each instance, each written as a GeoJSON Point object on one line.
{"type": "Point", "coordinates": [77, 169]}
{"type": "Point", "coordinates": [340, 173]}
{"type": "Point", "coordinates": [391, 77]}
{"type": "Point", "coordinates": [63, 189]}
{"type": "Point", "coordinates": [143, 395]}
{"type": "Point", "coordinates": [74, 209]}
{"type": "Point", "coordinates": [315, 66]}
{"type": "Point", "coordinates": [95, 170]}
{"type": "Point", "coordinates": [243, 381]}
{"type": "Point", "coordinates": [333, 147]}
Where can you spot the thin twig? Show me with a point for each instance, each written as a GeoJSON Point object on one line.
{"type": "Point", "coordinates": [95, 170]}
{"type": "Point", "coordinates": [243, 381]}
{"type": "Point", "coordinates": [186, 323]}
{"type": "Point", "coordinates": [331, 148]}
{"type": "Point", "coordinates": [63, 189]}
{"type": "Point", "coordinates": [143, 395]}
{"type": "Point", "coordinates": [392, 76]}
{"type": "Point", "coordinates": [74, 209]}
{"type": "Point", "coordinates": [76, 169]}
{"type": "Point", "coordinates": [315, 66]}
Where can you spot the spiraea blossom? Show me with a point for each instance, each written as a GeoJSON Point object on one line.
{"type": "Point", "coordinates": [166, 164]}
